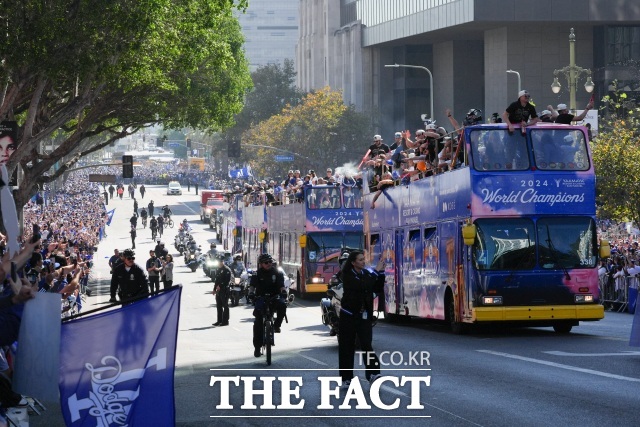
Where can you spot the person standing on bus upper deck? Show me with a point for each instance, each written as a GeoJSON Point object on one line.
{"type": "Point", "coordinates": [377, 146]}
{"type": "Point", "coordinates": [563, 116]}
{"type": "Point", "coordinates": [546, 116]}
{"type": "Point", "coordinates": [520, 111]}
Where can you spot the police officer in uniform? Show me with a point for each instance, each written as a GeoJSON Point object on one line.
{"type": "Point", "coordinates": [116, 260]}
{"type": "Point", "coordinates": [131, 278]}
{"type": "Point", "coordinates": [223, 278]}
{"type": "Point", "coordinates": [267, 281]}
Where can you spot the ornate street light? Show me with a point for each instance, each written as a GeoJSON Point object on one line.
{"type": "Point", "coordinates": [571, 72]}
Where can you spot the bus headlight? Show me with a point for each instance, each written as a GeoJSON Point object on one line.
{"type": "Point", "coordinates": [316, 280]}
{"type": "Point", "coordinates": [492, 300]}
{"type": "Point", "coordinates": [584, 298]}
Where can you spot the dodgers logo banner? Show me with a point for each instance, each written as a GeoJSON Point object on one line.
{"type": "Point", "coordinates": [121, 371]}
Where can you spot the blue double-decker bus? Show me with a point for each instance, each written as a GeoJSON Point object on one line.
{"type": "Point", "coordinates": [510, 236]}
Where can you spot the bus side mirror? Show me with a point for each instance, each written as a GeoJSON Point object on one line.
{"type": "Point", "coordinates": [605, 249]}
{"type": "Point", "coordinates": [469, 234]}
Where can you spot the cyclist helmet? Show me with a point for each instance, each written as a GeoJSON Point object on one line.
{"type": "Point", "coordinates": [128, 253]}
{"type": "Point", "coordinates": [265, 258]}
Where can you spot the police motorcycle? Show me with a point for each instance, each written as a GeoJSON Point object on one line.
{"type": "Point", "coordinates": [196, 258]}
{"type": "Point", "coordinates": [184, 227]}
{"type": "Point", "coordinates": [180, 242]}
{"type": "Point", "coordinates": [330, 305]}
{"type": "Point", "coordinates": [191, 247]}
{"type": "Point", "coordinates": [240, 281]}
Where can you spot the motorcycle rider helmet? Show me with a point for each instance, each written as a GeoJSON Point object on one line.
{"type": "Point", "coordinates": [212, 246]}
{"type": "Point", "coordinates": [238, 258]}
{"type": "Point", "coordinates": [343, 257]}
{"type": "Point", "coordinates": [265, 258]}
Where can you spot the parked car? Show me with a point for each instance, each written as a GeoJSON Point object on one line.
{"type": "Point", "coordinates": [174, 188]}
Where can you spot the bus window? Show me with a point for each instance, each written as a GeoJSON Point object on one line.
{"type": "Point", "coordinates": [504, 244]}
{"type": "Point", "coordinates": [353, 240]}
{"type": "Point", "coordinates": [560, 149]}
{"type": "Point", "coordinates": [324, 246]}
{"type": "Point", "coordinates": [323, 198]}
{"type": "Point", "coordinates": [430, 251]}
{"type": "Point", "coordinates": [567, 242]}
{"type": "Point", "coordinates": [496, 149]}
{"type": "Point", "coordinates": [352, 197]}
{"type": "Point", "coordinates": [413, 251]}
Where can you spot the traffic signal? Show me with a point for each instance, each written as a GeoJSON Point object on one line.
{"type": "Point", "coordinates": [233, 148]}
{"type": "Point", "coordinates": [127, 166]}
{"type": "Point", "coordinates": [188, 142]}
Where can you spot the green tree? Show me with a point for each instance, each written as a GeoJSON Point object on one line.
{"type": "Point", "coordinates": [90, 72]}
{"type": "Point", "coordinates": [321, 131]}
{"type": "Point", "coordinates": [616, 156]}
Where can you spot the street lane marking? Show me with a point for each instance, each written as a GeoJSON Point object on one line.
{"type": "Point", "coordinates": [319, 362]}
{"type": "Point", "coordinates": [561, 366]}
{"type": "Point", "coordinates": [564, 353]}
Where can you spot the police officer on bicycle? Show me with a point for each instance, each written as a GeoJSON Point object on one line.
{"type": "Point", "coordinates": [222, 280]}
{"type": "Point", "coordinates": [153, 226]}
{"type": "Point", "coordinates": [267, 281]}
{"type": "Point", "coordinates": [144, 215]}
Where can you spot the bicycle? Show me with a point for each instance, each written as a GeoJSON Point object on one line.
{"type": "Point", "coordinates": [154, 233]}
{"type": "Point", "coordinates": [169, 222]}
{"type": "Point", "coordinates": [144, 222]}
{"type": "Point", "coordinates": [268, 335]}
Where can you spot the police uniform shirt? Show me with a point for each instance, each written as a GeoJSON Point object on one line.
{"type": "Point", "coordinates": [267, 282]}
{"type": "Point", "coordinates": [132, 281]}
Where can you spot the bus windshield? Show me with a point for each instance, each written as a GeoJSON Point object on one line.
{"type": "Point", "coordinates": [560, 149]}
{"type": "Point", "coordinates": [510, 244]}
{"type": "Point", "coordinates": [495, 149]}
{"type": "Point", "coordinates": [323, 247]}
{"type": "Point", "coordinates": [567, 242]}
{"type": "Point", "coordinates": [505, 244]}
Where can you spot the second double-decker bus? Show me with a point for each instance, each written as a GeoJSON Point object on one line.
{"type": "Point", "coordinates": [254, 229]}
{"type": "Point", "coordinates": [508, 237]}
{"type": "Point", "coordinates": [306, 238]}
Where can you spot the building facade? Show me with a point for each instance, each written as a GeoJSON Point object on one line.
{"type": "Point", "coordinates": [270, 28]}
{"type": "Point", "coordinates": [468, 46]}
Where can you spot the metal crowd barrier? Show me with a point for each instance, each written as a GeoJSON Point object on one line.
{"type": "Point", "coordinates": [620, 293]}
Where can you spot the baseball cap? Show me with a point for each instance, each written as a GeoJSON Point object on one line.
{"type": "Point", "coordinates": [398, 135]}
{"type": "Point", "coordinates": [562, 107]}
{"type": "Point", "coordinates": [377, 138]}
{"type": "Point", "coordinates": [522, 93]}
{"type": "Point", "coordinates": [545, 113]}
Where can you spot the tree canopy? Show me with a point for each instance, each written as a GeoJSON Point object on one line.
{"type": "Point", "coordinates": [321, 131]}
{"type": "Point", "coordinates": [88, 72]}
{"type": "Point", "coordinates": [616, 156]}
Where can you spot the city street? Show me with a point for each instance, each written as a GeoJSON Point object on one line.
{"type": "Point", "coordinates": [490, 377]}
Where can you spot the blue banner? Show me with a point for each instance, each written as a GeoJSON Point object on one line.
{"type": "Point", "coordinates": [240, 173]}
{"type": "Point", "coordinates": [110, 215]}
{"type": "Point", "coordinates": [116, 368]}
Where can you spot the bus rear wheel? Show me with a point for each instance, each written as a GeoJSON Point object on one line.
{"type": "Point", "coordinates": [562, 328]}
{"type": "Point", "coordinates": [456, 327]}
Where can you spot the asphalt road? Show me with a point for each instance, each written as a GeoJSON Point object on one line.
{"type": "Point", "coordinates": [491, 377]}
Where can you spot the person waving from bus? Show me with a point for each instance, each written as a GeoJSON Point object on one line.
{"type": "Point", "coordinates": [356, 315]}
{"type": "Point", "coordinates": [521, 111]}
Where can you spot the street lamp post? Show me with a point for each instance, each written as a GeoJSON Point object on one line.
{"type": "Point", "coordinates": [430, 80]}
{"type": "Point", "coordinates": [571, 72]}
{"type": "Point", "coordinates": [517, 74]}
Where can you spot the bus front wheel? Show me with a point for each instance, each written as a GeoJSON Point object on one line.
{"type": "Point", "coordinates": [562, 328]}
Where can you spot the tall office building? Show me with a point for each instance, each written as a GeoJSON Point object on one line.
{"type": "Point", "coordinates": [270, 28]}
{"type": "Point", "coordinates": [467, 46]}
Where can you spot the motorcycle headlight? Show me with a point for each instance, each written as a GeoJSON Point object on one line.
{"type": "Point", "coordinates": [237, 280]}
{"type": "Point", "coordinates": [209, 263]}
{"type": "Point", "coordinates": [192, 256]}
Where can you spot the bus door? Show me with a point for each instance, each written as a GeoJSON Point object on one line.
{"type": "Point", "coordinates": [465, 277]}
{"type": "Point", "coordinates": [449, 265]}
{"type": "Point", "coordinates": [399, 270]}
